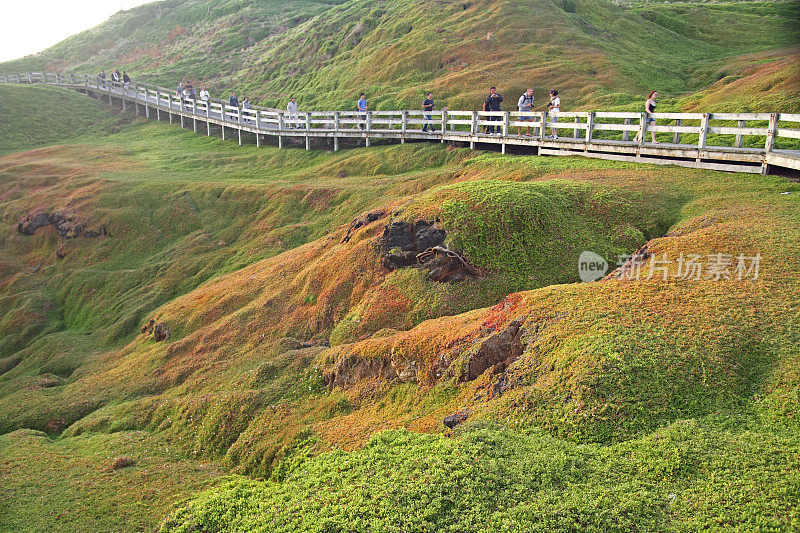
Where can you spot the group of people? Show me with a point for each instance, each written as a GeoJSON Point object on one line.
{"type": "Point", "coordinates": [525, 107]}
{"type": "Point", "coordinates": [491, 103]}
{"type": "Point", "coordinates": [185, 90]}
{"type": "Point", "coordinates": [116, 76]}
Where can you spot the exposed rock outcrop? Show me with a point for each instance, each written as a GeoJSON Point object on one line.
{"type": "Point", "coordinates": [500, 349]}
{"type": "Point", "coordinates": [351, 370]}
{"type": "Point", "coordinates": [29, 223]}
{"type": "Point", "coordinates": [455, 419]}
{"type": "Point", "coordinates": [421, 243]}
{"type": "Point", "coordinates": [67, 225]}
{"type": "Point", "coordinates": [158, 329]}
{"type": "Point", "coordinates": [160, 332]}
{"type": "Point", "coordinates": [363, 220]}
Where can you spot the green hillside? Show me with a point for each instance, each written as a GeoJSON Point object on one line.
{"type": "Point", "coordinates": [38, 116]}
{"type": "Point", "coordinates": [595, 52]}
{"type": "Point", "coordinates": [295, 360]}
{"type": "Point", "coordinates": [202, 336]}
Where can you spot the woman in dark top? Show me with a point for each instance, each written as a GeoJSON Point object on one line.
{"type": "Point", "coordinates": [427, 107]}
{"type": "Point", "coordinates": [649, 109]}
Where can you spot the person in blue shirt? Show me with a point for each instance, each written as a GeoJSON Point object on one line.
{"type": "Point", "coordinates": [361, 107]}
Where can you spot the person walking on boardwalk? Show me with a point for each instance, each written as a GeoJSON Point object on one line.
{"type": "Point", "coordinates": [361, 107]}
{"type": "Point", "coordinates": [204, 96]}
{"type": "Point", "coordinates": [427, 107]}
{"type": "Point", "coordinates": [525, 105]}
{"type": "Point", "coordinates": [190, 93]}
{"type": "Point", "coordinates": [179, 90]}
{"type": "Point", "coordinates": [554, 106]}
{"type": "Point", "coordinates": [649, 109]}
{"type": "Point", "coordinates": [291, 108]}
{"type": "Point", "coordinates": [102, 77]}
{"type": "Point", "coordinates": [246, 105]}
{"type": "Point", "coordinates": [492, 103]}
{"type": "Point", "coordinates": [126, 81]}
{"type": "Point", "coordinates": [115, 76]}
{"type": "Point", "coordinates": [233, 101]}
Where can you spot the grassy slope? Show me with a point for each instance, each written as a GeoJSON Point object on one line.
{"type": "Point", "coordinates": [596, 53]}
{"type": "Point", "coordinates": [247, 249]}
{"type": "Point", "coordinates": [64, 115]}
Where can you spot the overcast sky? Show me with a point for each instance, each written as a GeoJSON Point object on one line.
{"type": "Point", "coordinates": [30, 26]}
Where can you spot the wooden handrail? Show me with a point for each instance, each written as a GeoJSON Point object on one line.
{"type": "Point", "coordinates": [587, 127]}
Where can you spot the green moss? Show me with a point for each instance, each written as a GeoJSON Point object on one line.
{"type": "Point", "coordinates": [487, 478]}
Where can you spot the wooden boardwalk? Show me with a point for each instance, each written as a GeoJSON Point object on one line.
{"type": "Point", "coordinates": [738, 142]}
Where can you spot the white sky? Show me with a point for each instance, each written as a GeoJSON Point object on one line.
{"type": "Point", "coordinates": [30, 26]}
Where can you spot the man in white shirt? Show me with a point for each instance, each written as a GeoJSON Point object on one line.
{"type": "Point", "coordinates": [291, 108]}
{"type": "Point", "coordinates": [525, 105]}
{"type": "Point", "coordinates": [204, 96]}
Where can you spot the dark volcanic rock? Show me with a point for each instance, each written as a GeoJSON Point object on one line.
{"type": "Point", "coordinates": [363, 220]}
{"type": "Point", "coordinates": [67, 226]}
{"type": "Point", "coordinates": [398, 241]}
{"type": "Point", "coordinates": [28, 224]}
{"type": "Point", "coordinates": [427, 236]}
{"type": "Point", "coordinates": [147, 329]}
{"type": "Point", "coordinates": [443, 266]}
{"type": "Point", "coordinates": [455, 419]}
{"type": "Point", "coordinates": [500, 349]}
{"type": "Point", "coordinates": [403, 241]}
{"type": "Point", "coordinates": [160, 332]}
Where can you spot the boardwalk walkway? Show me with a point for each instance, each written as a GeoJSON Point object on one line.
{"type": "Point", "coordinates": [739, 142]}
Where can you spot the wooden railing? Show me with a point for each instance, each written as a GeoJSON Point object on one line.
{"type": "Point", "coordinates": [727, 141]}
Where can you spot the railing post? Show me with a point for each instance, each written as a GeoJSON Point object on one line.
{"type": "Point", "coordinates": [504, 132]}
{"type": "Point", "coordinates": [701, 142]}
{"type": "Point", "coordinates": [308, 130]}
{"type": "Point", "coordinates": [239, 124]}
{"type": "Point", "coordinates": [771, 130]}
{"type": "Point", "coordinates": [739, 137]}
{"type": "Point", "coordinates": [222, 117]}
{"type": "Point", "coordinates": [676, 137]}
{"type": "Point", "coordinates": [444, 122]}
{"type": "Point", "coordinates": [589, 127]}
{"type": "Point", "coordinates": [208, 114]}
{"type": "Point", "coordinates": [642, 127]}
{"type": "Point", "coordinates": [258, 135]}
{"type": "Point", "coordinates": [543, 126]}
{"type": "Point", "coordinates": [473, 130]}
{"type": "Point", "coordinates": [169, 108]}
{"type": "Point", "coordinates": [335, 131]}
{"type": "Point", "coordinates": [769, 145]}
{"type": "Point", "coordinates": [369, 127]}
{"type": "Point", "coordinates": [280, 129]}
{"type": "Point", "coordinates": [403, 126]}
